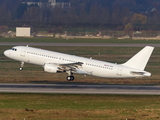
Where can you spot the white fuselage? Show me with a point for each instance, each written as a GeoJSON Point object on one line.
{"type": "Point", "coordinates": [89, 67]}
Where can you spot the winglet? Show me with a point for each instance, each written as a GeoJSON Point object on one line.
{"type": "Point", "coordinates": [140, 60]}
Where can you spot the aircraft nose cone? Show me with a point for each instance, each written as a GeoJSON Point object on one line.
{"type": "Point", "coordinates": [6, 53]}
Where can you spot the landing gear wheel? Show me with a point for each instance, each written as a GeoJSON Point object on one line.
{"type": "Point", "coordinates": [20, 68]}
{"type": "Point", "coordinates": [70, 78]}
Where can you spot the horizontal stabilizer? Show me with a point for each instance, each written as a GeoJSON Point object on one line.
{"type": "Point", "coordinates": [147, 74]}
{"type": "Point", "coordinates": [137, 73]}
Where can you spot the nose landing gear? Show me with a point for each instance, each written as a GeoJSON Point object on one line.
{"type": "Point", "coordinates": [22, 65]}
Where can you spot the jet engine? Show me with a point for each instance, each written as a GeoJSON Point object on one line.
{"type": "Point", "coordinates": [50, 68]}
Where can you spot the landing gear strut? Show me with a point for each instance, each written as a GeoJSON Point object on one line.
{"type": "Point", "coordinates": [22, 65]}
{"type": "Point", "coordinates": [70, 76]}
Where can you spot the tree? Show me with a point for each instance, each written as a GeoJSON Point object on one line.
{"type": "Point", "coordinates": [139, 19]}
{"type": "Point", "coordinates": [129, 29]}
{"type": "Point", "coordinates": [5, 15]}
{"type": "Point", "coordinates": [20, 10]}
{"type": "Point", "coordinates": [33, 14]}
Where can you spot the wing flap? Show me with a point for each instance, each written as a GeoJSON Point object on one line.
{"type": "Point", "coordinates": [68, 66]}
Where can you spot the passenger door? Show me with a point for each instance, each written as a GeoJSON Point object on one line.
{"type": "Point", "coordinates": [23, 52]}
{"type": "Point", "coordinates": [120, 69]}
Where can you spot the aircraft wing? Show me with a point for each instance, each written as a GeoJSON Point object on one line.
{"type": "Point", "coordinates": [67, 66]}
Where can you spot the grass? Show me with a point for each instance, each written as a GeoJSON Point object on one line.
{"type": "Point", "coordinates": [57, 40]}
{"type": "Point", "coordinates": [78, 107]}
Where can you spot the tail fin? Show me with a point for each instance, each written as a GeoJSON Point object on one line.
{"type": "Point", "coordinates": [140, 60]}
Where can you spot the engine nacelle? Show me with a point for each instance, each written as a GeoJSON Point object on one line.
{"type": "Point", "coordinates": [50, 68]}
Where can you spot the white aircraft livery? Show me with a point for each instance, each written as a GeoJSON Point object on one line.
{"type": "Point", "coordinates": [55, 62]}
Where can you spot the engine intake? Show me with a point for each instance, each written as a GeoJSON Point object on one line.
{"type": "Point", "coordinates": [50, 68]}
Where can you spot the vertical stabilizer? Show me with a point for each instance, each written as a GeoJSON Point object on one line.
{"type": "Point", "coordinates": [139, 61]}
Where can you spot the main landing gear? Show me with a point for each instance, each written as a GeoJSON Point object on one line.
{"type": "Point", "coordinates": [70, 76]}
{"type": "Point", "coordinates": [22, 65]}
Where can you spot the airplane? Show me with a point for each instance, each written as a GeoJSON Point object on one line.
{"type": "Point", "coordinates": [55, 62]}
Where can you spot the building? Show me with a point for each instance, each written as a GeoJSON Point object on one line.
{"type": "Point", "coordinates": [23, 31]}
{"type": "Point", "coordinates": [50, 3]}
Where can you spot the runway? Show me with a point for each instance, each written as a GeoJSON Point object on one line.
{"type": "Point", "coordinates": [80, 89]}
{"type": "Point", "coordinates": [76, 44]}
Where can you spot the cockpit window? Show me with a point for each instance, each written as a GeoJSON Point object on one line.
{"type": "Point", "coordinates": [14, 49]}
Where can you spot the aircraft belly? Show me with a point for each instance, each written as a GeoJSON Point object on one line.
{"type": "Point", "coordinates": [106, 74]}
{"type": "Point", "coordinates": [109, 73]}
{"type": "Point", "coordinates": [103, 73]}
